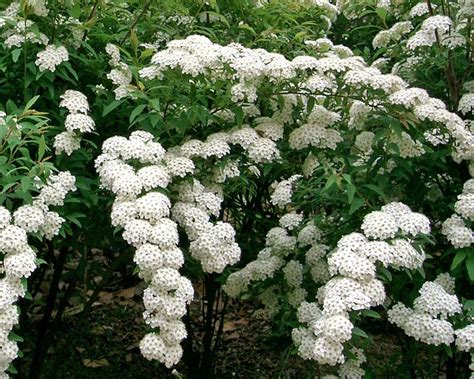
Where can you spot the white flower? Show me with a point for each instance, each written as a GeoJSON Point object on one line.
{"type": "Point", "coordinates": [51, 57]}
{"type": "Point", "coordinates": [79, 122]}
{"type": "Point", "coordinates": [379, 225]}
{"type": "Point", "coordinates": [74, 102]}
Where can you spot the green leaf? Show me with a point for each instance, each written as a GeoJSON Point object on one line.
{"type": "Point", "coordinates": [377, 190]}
{"type": "Point", "coordinates": [109, 108]}
{"type": "Point", "coordinates": [12, 370]}
{"type": "Point", "coordinates": [14, 337]}
{"type": "Point", "coordinates": [138, 109]}
{"type": "Point", "coordinates": [40, 261]}
{"type": "Point", "coordinates": [41, 148]}
{"type": "Point", "coordinates": [470, 266]}
{"type": "Point", "coordinates": [351, 190]}
{"type": "Point", "coordinates": [371, 313]}
{"type": "Point", "coordinates": [356, 204]}
{"type": "Point", "coordinates": [31, 103]}
{"type": "Point", "coordinates": [382, 13]}
{"type": "Point", "coordinates": [239, 115]}
{"type": "Point", "coordinates": [25, 183]}
{"type": "Point", "coordinates": [16, 54]}
{"type": "Point", "coordinates": [359, 332]}
{"type": "Point", "coordinates": [458, 259]}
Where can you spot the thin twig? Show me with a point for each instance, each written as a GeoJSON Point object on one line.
{"type": "Point", "coordinates": [145, 8]}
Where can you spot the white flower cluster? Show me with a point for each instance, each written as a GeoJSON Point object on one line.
{"type": "Point", "coordinates": [212, 244]}
{"type": "Point", "coordinates": [19, 259]}
{"type": "Point", "coordinates": [77, 122]}
{"type": "Point", "coordinates": [51, 57]}
{"type": "Point", "coordinates": [283, 191]}
{"type": "Point", "coordinates": [281, 242]}
{"type": "Point", "coordinates": [120, 75]}
{"type": "Point", "coordinates": [354, 285]}
{"type": "Point", "coordinates": [456, 228]}
{"type": "Point", "coordinates": [427, 321]}
{"type": "Point", "coordinates": [19, 30]}
{"type": "Point", "coordinates": [394, 34]}
{"type": "Point", "coordinates": [316, 131]}
{"type": "Point", "coordinates": [148, 227]}
{"type": "Point", "coordinates": [250, 68]}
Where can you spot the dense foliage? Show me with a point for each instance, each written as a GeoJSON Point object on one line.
{"type": "Point", "coordinates": [312, 159]}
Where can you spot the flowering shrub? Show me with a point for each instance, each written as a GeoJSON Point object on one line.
{"type": "Point", "coordinates": [239, 146]}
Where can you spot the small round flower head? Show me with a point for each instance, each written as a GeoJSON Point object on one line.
{"type": "Point", "coordinates": [153, 206]}
{"type": "Point", "coordinates": [29, 218]}
{"type": "Point", "coordinates": [468, 187]}
{"type": "Point", "coordinates": [153, 177]}
{"type": "Point", "coordinates": [19, 265]}
{"type": "Point", "coordinates": [51, 57]}
{"type": "Point", "coordinates": [457, 232]}
{"type": "Point", "coordinates": [293, 272]}
{"type": "Point", "coordinates": [309, 235]}
{"type": "Point", "coordinates": [123, 212]}
{"type": "Point", "coordinates": [52, 224]}
{"type": "Point", "coordinates": [447, 282]}
{"type": "Point", "coordinates": [308, 312]}
{"type": "Point", "coordinates": [283, 191]}
{"type": "Point", "coordinates": [79, 122]}
{"type": "Point", "coordinates": [465, 206]}
{"type": "Point", "coordinates": [13, 239]}
{"type": "Point", "coordinates": [434, 300]}
{"type": "Point", "coordinates": [263, 150]}
{"type": "Point", "coordinates": [414, 223]}
{"type": "Point", "coordinates": [345, 262]}
{"type": "Point", "coordinates": [405, 255]}
{"type": "Point", "coordinates": [291, 220]}
{"type": "Point", "coordinates": [74, 101]}
{"type": "Point", "coordinates": [66, 142]}
{"type": "Point", "coordinates": [353, 241]}
{"type": "Point", "coordinates": [465, 338]}
{"type": "Point", "coordinates": [5, 217]}
{"type": "Point", "coordinates": [137, 232]}
{"type": "Point", "coordinates": [379, 225]}
{"type": "Point", "coordinates": [179, 166]}
{"type": "Point", "coordinates": [164, 233]}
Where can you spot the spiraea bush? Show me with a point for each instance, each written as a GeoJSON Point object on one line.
{"type": "Point", "coordinates": [314, 157]}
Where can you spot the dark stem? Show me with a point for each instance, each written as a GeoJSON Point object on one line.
{"type": "Point", "coordinates": [207, 359]}
{"type": "Point", "coordinates": [145, 8]}
{"type": "Point", "coordinates": [42, 341]}
{"type": "Point", "coordinates": [105, 280]}
{"type": "Point", "coordinates": [91, 16]}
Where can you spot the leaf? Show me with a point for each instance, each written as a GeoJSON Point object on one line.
{"type": "Point", "coordinates": [248, 28]}
{"type": "Point", "coordinates": [356, 204]}
{"type": "Point", "coordinates": [239, 115]}
{"type": "Point", "coordinates": [382, 13]}
{"type": "Point", "coordinates": [41, 148]}
{"type": "Point", "coordinates": [25, 183]}
{"type": "Point", "coordinates": [458, 259]}
{"type": "Point", "coordinates": [109, 108]}
{"type": "Point", "coordinates": [371, 313]}
{"type": "Point", "coordinates": [95, 363]}
{"type": "Point", "coordinates": [359, 332]}
{"type": "Point", "coordinates": [16, 54]}
{"type": "Point", "coordinates": [30, 103]}
{"type": "Point", "coordinates": [138, 109]}
{"type": "Point", "coordinates": [12, 370]}
{"type": "Point", "coordinates": [377, 190]}
{"type": "Point", "coordinates": [470, 266]}
{"type": "Point", "coordinates": [134, 40]}
{"type": "Point", "coordinates": [14, 337]}
{"type": "Point", "coordinates": [40, 261]}
{"type": "Point", "coordinates": [351, 190]}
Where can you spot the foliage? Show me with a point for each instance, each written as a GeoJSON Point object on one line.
{"type": "Point", "coordinates": [294, 153]}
